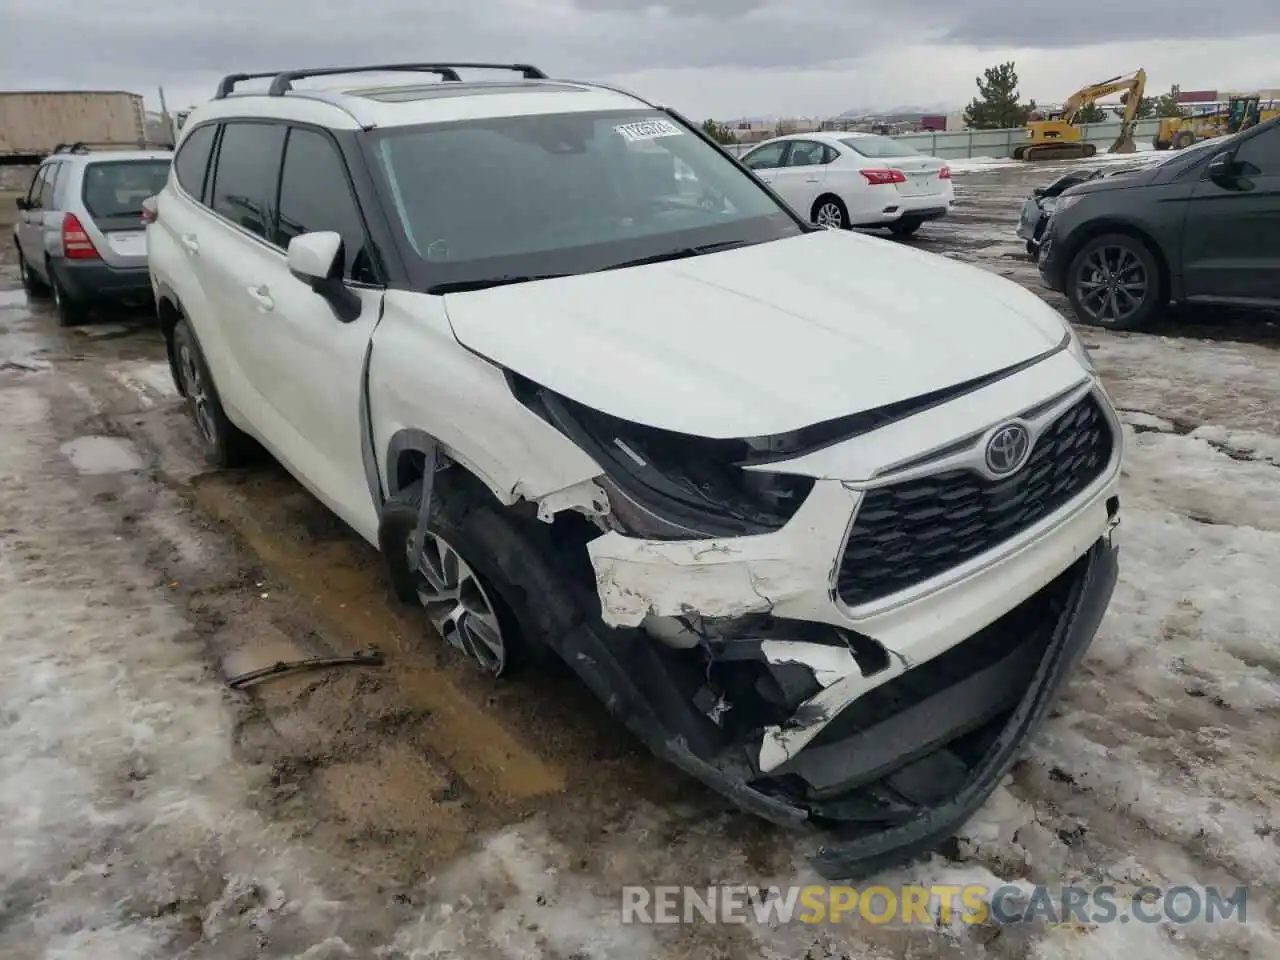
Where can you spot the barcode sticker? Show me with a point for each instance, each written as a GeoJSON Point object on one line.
{"type": "Point", "coordinates": [648, 130]}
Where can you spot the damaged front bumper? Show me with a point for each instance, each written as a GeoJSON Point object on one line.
{"type": "Point", "coordinates": [871, 668]}
{"type": "Point", "coordinates": [902, 774]}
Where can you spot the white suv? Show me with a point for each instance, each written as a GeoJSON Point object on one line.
{"type": "Point", "coordinates": [824, 520]}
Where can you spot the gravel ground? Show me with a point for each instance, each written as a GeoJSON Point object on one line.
{"type": "Point", "coordinates": [413, 811]}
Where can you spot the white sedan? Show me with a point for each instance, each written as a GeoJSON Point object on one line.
{"type": "Point", "coordinates": [855, 180]}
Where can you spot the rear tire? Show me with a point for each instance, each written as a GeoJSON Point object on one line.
{"type": "Point", "coordinates": [71, 312]}
{"type": "Point", "coordinates": [459, 581]}
{"type": "Point", "coordinates": [905, 227]}
{"type": "Point", "coordinates": [33, 285]}
{"type": "Point", "coordinates": [223, 443]}
{"type": "Point", "coordinates": [1115, 282]}
{"type": "Point", "coordinates": [1184, 139]}
{"type": "Point", "coordinates": [829, 211]}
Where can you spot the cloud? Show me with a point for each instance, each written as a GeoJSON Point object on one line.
{"type": "Point", "coordinates": [707, 57]}
{"type": "Point", "coordinates": [1017, 23]}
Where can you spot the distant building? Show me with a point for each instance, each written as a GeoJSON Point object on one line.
{"type": "Point", "coordinates": [1197, 96]}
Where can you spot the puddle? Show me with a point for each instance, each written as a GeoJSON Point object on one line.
{"type": "Point", "coordinates": [99, 455]}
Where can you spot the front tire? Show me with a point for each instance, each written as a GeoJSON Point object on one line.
{"type": "Point", "coordinates": [830, 212]}
{"type": "Point", "coordinates": [1115, 282]}
{"type": "Point", "coordinates": [457, 579]}
{"type": "Point", "coordinates": [905, 227]}
{"type": "Point", "coordinates": [1184, 139]}
{"type": "Point", "coordinates": [223, 443]}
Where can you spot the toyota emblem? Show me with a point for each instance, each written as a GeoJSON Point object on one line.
{"type": "Point", "coordinates": [1007, 449]}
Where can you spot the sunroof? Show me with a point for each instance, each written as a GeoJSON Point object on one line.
{"type": "Point", "coordinates": [451, 88]}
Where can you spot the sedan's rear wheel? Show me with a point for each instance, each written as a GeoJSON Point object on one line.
{"type": "Point", "coordinates": [830, 212]}
{"type": "Point", "coordinates": [1115, 282]}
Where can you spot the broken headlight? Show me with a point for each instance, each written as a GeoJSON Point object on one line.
{"type": "Point", "coordinates": [673, 486]}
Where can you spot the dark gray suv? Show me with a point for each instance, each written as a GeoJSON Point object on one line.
{"type": "Point", "coordinates": [1198, 228]}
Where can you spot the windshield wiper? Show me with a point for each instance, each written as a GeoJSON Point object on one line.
{"type": "Point", "coordinates": [681, 253]}
{"type": "Point", "coordinates": [485, 283]}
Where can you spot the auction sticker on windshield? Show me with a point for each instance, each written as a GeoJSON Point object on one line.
{"type": "Point", "coordinates": [648, 130]}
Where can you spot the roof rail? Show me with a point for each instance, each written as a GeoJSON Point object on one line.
{"type": "Point", "coordinates": [83, 146]}
{"type": "Point", "coordinates": [283, 82]}
{"type": "Point", "coordinates": [227, 84]}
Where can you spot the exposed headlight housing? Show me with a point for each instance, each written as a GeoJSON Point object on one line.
{"type": "Point", "coordinates": [672, 486]}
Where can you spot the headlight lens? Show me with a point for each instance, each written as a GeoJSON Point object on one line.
{"type": "Point", "coordinates": [1063, 203]}
{"type": "Point", "coordinates": [1077, 348]}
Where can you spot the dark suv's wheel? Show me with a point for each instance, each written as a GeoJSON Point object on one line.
{"type": "Point", "coordinates": [905, 227]}
{"type": "Point", "coordinates": [1115, 282]}
{"type": "Point", "coordinates": [224, 444]}
{"type": "Point", "coordinates": [458, 578]}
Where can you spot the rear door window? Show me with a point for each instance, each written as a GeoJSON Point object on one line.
{"type": "Point", "coordinates": [116, 188]}
{"type": "Point", "coordinates": [245, 175]}
{"type": "Point", "coordinates": [315, 195]}
{"type": "Point", "coordinates": [192, 162]}
{"type": "Point", "coordinates": [805, 153]}
{"type": "Point", "coordinates": [33, 195]}
{"type": "Point", "coordinates": [44, 199]}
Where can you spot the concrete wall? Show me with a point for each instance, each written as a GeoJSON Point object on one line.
{"type": "Point", "coordinates": [961, 144]}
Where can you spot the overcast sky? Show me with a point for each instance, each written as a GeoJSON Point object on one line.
{"type": "Point", "coordinates": [720, 58]}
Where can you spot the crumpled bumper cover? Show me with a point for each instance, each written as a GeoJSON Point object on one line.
{"type": "Point", "coordinates": [855, 839]}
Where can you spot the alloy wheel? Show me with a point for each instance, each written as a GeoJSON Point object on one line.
{"type": "Point", "coordinates": [459, 606]}
{"type": "Point", "coordinates": [830, 216]}
{"type": "Point", "coordinates": [197, 396]}
{"type": "Point", "coordinates": [1111, 284]}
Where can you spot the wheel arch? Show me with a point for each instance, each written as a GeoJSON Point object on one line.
{"type": "Point", "coordinates": [823, 197]}
{"type": "Point", "coordinates": [168, 312]}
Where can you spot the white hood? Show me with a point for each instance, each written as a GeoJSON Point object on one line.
{"type": "Point", "coordinates": [760, 340]}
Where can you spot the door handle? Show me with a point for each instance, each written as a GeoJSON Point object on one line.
{"type": "Point", "coordinates": [812, 179]}
{"type": "Point", "coordinates": [190, 242]}
{"type": "Point", "coordinates": [263, 296]}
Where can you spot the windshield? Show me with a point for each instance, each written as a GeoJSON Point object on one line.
{"type": "Point", "coordinates": [878, 148]}
{"type": "Point", "coordinates": [515, 198]}
{"type": "Point", "coordinates": [117, 188]}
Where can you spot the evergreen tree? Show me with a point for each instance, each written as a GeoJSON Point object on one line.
{"type": "Point", "coordinates": [1091, 113]}
{"type": "Point", "coordinates": [718, 132]}
{"type": "Point", "coordinates": [996, 106]}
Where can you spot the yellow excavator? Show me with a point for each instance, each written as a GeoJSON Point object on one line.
{"type": "Point", "coordinates": [1238, 112]}
{"type": "Point", "coordinates": [1058, 138]}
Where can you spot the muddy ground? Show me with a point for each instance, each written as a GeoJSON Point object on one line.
{"type": "Point", "coordinates": [414, 810]}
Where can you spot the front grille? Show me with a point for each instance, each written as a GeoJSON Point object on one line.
{"type": "Point", "coordinates": [909, 532]}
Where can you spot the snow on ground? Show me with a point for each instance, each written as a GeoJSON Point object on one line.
{"type": "Point", "coordinates": [987, 164]}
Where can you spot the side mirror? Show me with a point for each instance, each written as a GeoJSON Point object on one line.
{"type": "Point", "coordinates": [316, 259]}
{"type": "Point", "coordinates": [1222, 167]}
{"type": "Point", "coordinates": [22, 203]}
